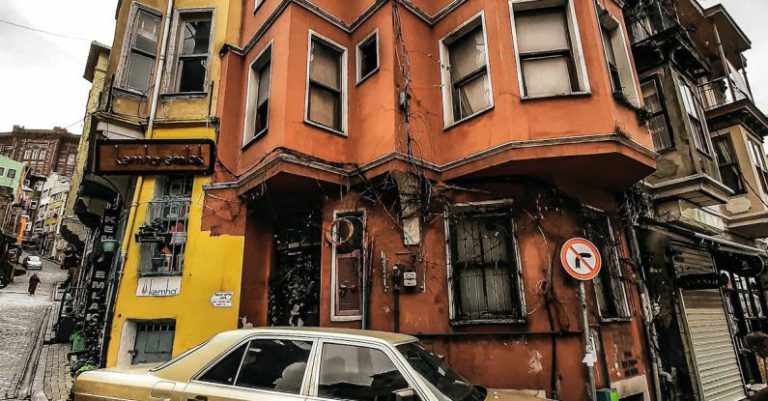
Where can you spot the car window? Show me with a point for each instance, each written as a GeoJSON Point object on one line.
{"type": "Point", "coordinates": [273, 364]}
{"type": "Point", "coordinates": [225, 371]}
{"type": "Point", "coordinates": [358, 373]}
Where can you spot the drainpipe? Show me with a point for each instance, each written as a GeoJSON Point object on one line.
{"type": "Point", "coordinates": [160, 69]}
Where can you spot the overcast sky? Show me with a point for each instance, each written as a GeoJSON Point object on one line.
{"type": "Point", "coordinates": [41, 75]}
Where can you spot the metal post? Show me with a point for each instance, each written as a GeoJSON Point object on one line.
{"type": "Point", "coordinates": [589, 349]}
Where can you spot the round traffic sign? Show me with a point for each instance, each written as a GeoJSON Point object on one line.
{"type": "Point", "coordinates": [580, 259]}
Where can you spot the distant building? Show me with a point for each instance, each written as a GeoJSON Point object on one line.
{"type": "Point", "coordinates": [43, 150]}
{"type": "Point", "coordinates": [47, 222]}
{"type": "Point", "coordinates": [12, 212]}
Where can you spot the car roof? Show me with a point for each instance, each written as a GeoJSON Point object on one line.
{"type": "Point", "coordinates": [336, 333]}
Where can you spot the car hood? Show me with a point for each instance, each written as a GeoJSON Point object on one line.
{"type": "Point", "coordinates": [512, 395]}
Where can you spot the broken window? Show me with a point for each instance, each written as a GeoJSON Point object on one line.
{"type": "Point", "coordinates": [368, 57]}
{"type": "Point", "coordinates": [658, 122]}
{"type": "Point", "coordinates": [484, 264]}
{"type": "Point", "coordinates": [349, 372]}
{"type": "Point", "coordinates": [143, 51]}
{"type": "Point", "coordinates": [610, 288]}
{"type": "Point", "coordinates": [728, 164]}
{"type": "Point", "coordinates": [758, 159]}
{"type": "Point", "coordinates": [348, 235]}
{"type": "Point", "coordinates": [693, 108]}
{"type": "Point", "coordinates": [326, 93]}
{"type": "Point", "coordinates": [467, 82]}
{"type": "Point", "coordinates": [163, 235]}
{"type": "Point", "coordinates": [257, 108]}
{"type": "Point", "coordinates": [545, 50]}
{"type": "Point", "coordinates": [194, 39]}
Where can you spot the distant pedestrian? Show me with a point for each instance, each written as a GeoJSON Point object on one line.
{"type": "Point", "coordinates": [33, 282]}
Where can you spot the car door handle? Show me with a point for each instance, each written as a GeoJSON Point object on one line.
{"type": "Point", "coordinates": [198, 398]}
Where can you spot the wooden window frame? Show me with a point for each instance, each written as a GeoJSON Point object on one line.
{"type": "Point", "coordinates": [130, 40]}
{"type": "Point", "coordinates": [696, 118]}
{"type": "Point", "coordinates": [183, 16]}
{"type": "Point", "coordinates": [721, 164]}
{"type": "Point", "coordinates": [451, 85]}
{"type": "Point", "coordinates": [373, 36]}
{"type": "Point", "coordinates": [262, 60]}
{"type": "Point", "coordinates": [515, 269]}
{"type": "Point", "coordinates": [342, 93]}
{"type": "Point", "coordinates": [577, 67]}
{"type": "Point", "coordinates": [661, 112]}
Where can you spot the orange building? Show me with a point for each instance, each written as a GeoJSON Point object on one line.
{"type": "Point", "coordinates": [415, 166]}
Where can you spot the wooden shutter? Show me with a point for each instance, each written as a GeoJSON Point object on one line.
{"type": "Point", "coordinates": [348, 284]}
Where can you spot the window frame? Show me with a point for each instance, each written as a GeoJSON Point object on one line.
{"type": "Point", "coordinates": [517, 293]}
{"type": "Point", "coordinates": [612, 34]}
{"type": "Point", "coordinates": [578, 62]}
{"type": "Point", "coordinates": [448, 87]}
{"type": "Point", "coordinates": [130, 39]}
{"type": "Point", "coordinates": [334, 275]}
{"type": "Point", "coordinates": [757, 157]}
{"type": "Point", "coordinates": [11, 173]}
{"type": "Point", "coordinates": [308, 373]}
{"type": "Point", "coordinates": [372, 36]}
{"type": "Point", "coordinates": [722, 164]}
{"type": "Point", "coordinates": [662, 112]}
{"type": "Point", "coordinates": [261, 60]}
{"type": "Point", "coordinates": [397, 359]}
{"type": "Point", "coordinates": [701, 120]}
{"type": "Point", "coordinates": [343, 79]}
{"type": "Point", "coordinates": [173, 73]}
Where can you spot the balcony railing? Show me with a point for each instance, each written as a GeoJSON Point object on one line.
{"type": "Point", "coordinates": [722, 91]}
{"type": "Point", "coordinates": [650, 20]}
{"type": "Point", "coordinates": [163, 237]}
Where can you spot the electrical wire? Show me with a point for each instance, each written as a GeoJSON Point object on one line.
{"type": "Point", "coordinates": [43, 31]}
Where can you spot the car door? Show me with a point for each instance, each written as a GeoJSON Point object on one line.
{"type": "Point", "coordinates": [262, 368]}
{"type": "Point", "coordinates": [360, 371]}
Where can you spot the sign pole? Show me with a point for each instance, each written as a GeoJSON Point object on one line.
{"type": "Point", "coordinates": [589, 349]}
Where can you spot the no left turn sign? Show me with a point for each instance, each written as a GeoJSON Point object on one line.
{"type": "Point", "coordinates": [580, 259]}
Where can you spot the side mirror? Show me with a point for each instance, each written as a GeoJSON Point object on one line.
{"type": "Point", "coordinates": [406, 394]}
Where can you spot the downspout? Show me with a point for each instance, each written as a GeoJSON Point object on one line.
{"type": "Point", "coordinates": [160, 70]}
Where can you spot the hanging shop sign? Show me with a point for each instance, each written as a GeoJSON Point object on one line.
{"type": "Point", "coordinates": [155, 156]}
{"type": "Point", "coordinates": [580, 259]}
{"type": "Point", "coordinates": [707, 281]}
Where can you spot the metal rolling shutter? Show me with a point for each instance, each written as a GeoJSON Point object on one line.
{"type": "Point", "coordinates": [718, 370]}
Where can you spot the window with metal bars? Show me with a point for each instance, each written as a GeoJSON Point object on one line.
{"type": "Point", "coordinates": [163, 235]}
{"type": "Point", "coordinates": [154, 341]}
{"type": "Point", "coordinates": [658, 122]}
{"type": "Point", "coordinates": [484, 267]}
{"type": "Point", "coordinates": [610, 287]}
{"type": "Point", "coordinates": [194, 38]}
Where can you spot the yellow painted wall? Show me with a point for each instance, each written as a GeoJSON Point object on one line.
{"type": "Point", "coordinates": [211, 264]}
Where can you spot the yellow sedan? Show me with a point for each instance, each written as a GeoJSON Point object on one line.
{"type": "Point", "coordinates": [293, 364]}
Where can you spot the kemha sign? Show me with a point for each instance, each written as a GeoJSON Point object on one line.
{"type": "Point", "coordinates": [155, 156]}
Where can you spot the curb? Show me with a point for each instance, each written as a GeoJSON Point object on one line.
{"type": "Point", "coordinates": [24, 388]}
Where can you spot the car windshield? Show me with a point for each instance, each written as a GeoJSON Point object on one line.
{"type": "Point", "coordinates": [446, 383]}
{"type": "Point", "coordinates": [34, 258]}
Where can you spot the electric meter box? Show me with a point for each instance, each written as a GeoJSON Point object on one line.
{"type": "Point", "coordinates": [409, 279]}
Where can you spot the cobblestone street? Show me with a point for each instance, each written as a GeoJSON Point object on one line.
{"type": "Point", "coordinates": [24, 322]}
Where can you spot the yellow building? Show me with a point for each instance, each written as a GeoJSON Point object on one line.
{"type": "Point", "coordinates": [173, 289]}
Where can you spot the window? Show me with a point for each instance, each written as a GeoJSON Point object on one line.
{"type": "Point", "coordinates": [617, 59]}
{"type": "Point", "coordinates": [466, 82]}
{"type": "Point", "coordinates": [2, 171]}
{"type": "Point", "coordinates": [658, 122]}
{"type": "Point", "coordinates": [348, 255]}
{"type": "Point", "coordinates": [225, 371]}
{"type": "Point", "coordinates": [33, 204]}
{"type": "Point", "coordinates": [693, 109]}
{"type": "Point", "coordinates": [194, 37]}
{"type": "Point", "coordinates": [274, 365]}
{"type": "Point", "coordinates": [71, 159]}
{"type": "Point", "coordinates": [758, 159]}
{"type": "Point", "coordinates": [326, 89]}
{"type": "Point", "coordinates": [28, 154]}
{"type": "Point", "coordinates": [257, 108]}
{"type": "Point", "coordinates": [350, 372]}
{"type": "Point", "coordinates": [142, 51]}
{"type": "Point", "coordinates": [484, 268]}
{"type": "Point", "coordinates": [609, 284]}
{"type": "Point", "coordinates": [368, 56]}
{"type": "Point", "coordinates": [728, 164]}
{"type": "Point", "coordinates": [163, 236]}
{"type": "Point", "coordinates": [547, 49]}
{"type": "Point", "coordinates": [11, 173]}
{"type": "Point", "coordinates": [154, 341]}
